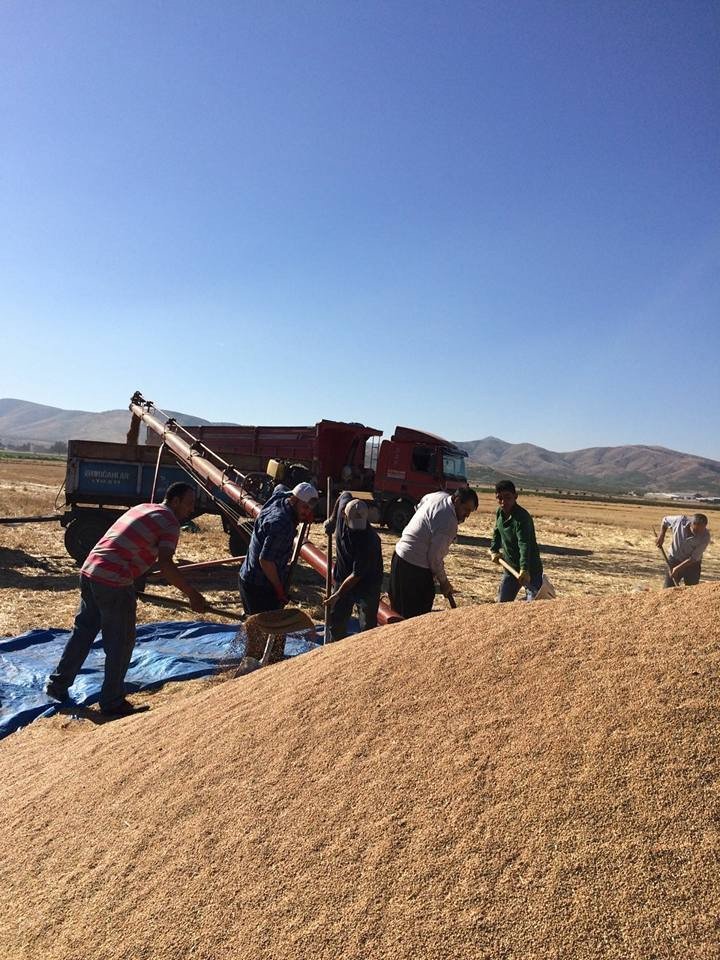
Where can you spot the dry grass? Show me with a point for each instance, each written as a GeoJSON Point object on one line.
{"type": "Point", "coordinates": [591, 548]}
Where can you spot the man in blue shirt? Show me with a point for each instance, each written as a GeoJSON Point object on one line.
{"type": "Point", "coordinates": [264, 573]}
{"type": "Point", "coordinates": [358, 572]}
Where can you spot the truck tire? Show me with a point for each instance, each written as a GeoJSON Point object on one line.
{"type": "Point", "coordinates": [399, 515]}
{"type": "Point", "coordinates": [239, 540]}
{"type": "Point", "coordinates": [83, 532]}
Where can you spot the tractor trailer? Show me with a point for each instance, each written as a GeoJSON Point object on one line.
{"type": "Point", "coordinates": [103, 479]}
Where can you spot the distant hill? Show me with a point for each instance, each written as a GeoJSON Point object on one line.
{"type": "Point", "coordinates": [35, 423]}
{"type": "Point", "coordinates": [625, 468]}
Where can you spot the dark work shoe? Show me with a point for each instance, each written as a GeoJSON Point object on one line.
{"type": "Point", "coordinates": [56, 691]}
{"type": "Point", "coordinates": [123, 709]}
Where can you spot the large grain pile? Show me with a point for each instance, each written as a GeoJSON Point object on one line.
{"type": "Point", "coordinates": [533, 780]}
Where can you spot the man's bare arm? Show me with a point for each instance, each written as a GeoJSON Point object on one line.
{"type": "Point", "coordinates": [171, 572]}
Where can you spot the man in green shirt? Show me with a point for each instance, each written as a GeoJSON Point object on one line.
{"type": "Point", "coordinates": [514, 536]}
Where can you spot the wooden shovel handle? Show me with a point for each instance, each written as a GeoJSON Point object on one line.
{"type": "Point", "coordinates": [506, 565]}
{"type": "Point", "coordinates": [665, 558]}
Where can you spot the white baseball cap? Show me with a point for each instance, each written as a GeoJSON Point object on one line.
{"type": "Point", "coordinates": [356, 515]}
{"type": "Point", "coordinates": [305, 492]}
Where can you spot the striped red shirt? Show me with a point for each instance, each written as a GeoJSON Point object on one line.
{"type": "Point", "coordinates": [131, 545]}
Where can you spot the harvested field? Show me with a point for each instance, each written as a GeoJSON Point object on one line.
{"type": "Point", "coordinates": [492, 782]}
{"type": "Point", "coordinates": [589, 548]}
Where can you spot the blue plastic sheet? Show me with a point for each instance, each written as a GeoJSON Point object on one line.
{"type": "Point", "coordinates": [176, 650]}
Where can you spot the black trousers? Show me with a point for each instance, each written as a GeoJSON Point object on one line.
{"type": "Point", "coordinates": [257, 599]}
{"type": "Point", "coordinates": [412, 589]}
{"type": "Point", "coordinates": [366, 597]}
{"type": "Point", "coordinates": [690, 575]}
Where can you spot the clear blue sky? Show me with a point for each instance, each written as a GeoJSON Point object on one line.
{"type": "Point", "coordinates": [472, 218]}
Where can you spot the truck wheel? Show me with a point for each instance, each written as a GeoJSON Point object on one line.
{"type": "Point", "coordinates": [399, 515]}
{"type": "Point", "coordinates": [239, 540]}
{"type": "Point", "coordinates": [82, 533]}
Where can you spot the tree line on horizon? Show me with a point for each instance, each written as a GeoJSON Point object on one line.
{"type": "Point", "coordinates": [58, 447]}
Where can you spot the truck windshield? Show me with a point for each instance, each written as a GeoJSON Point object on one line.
{"type": "Point", "coordinates": [454, 466]}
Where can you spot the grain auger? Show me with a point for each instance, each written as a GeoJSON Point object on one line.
{"type": "Point", "coordinates": [236, 494]}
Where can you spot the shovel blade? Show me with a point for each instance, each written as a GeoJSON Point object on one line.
{"type": "Point", "coordinates": [546, 591]}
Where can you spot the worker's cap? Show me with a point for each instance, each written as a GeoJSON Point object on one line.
{"type": "Point", "coordinates": [305, 492]}
{"type": "Point", "coordinates": [356, 515]}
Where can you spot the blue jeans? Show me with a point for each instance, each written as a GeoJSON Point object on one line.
{"type": "Point", "coordinates": [258, 598]}
{"type": "Point", "coordinates": [509, 587]}
{"type": "Point", "coordinates": [112, 610]}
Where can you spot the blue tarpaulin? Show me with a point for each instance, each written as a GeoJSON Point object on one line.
{"type": "Point", "coordinates": [176, 650]}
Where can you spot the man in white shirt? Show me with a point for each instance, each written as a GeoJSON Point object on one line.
{"type": "Point", "coordinates": [418, 560]}
{"type": "Point", "coordinates": [690, 538]}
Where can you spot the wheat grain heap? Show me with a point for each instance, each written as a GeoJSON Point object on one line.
{"type": "Point", "coordinates": [528, 780]}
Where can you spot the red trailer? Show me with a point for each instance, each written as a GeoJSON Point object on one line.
{"type": "Point", "coordinates": [398, 471]}
{"type": "Point", "coordinates": [315, 452]}
{"type": "Point", "coordinates": [103, 479]}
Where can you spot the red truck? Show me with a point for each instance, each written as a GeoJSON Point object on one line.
{"type": "Point", "coordinates": [398, 471]}
{"type": "Point", "coordinates": [103, 479]}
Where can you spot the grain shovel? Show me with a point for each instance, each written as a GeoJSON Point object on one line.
{"type": "Point", "coordinates": [181, 605]}
{"type": "Point", "coordinates": [328, 572]}
{"type": "Point", "coordinates": [546, 591]}
{"type": "Point", "coordinates": [665, 557]}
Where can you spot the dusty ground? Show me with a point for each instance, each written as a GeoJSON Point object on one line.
{"type": "Point", "coordinates": [588, 547]}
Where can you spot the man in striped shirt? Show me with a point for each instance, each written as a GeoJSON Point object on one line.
{"type": "Point", "coordinates": [143, 536]}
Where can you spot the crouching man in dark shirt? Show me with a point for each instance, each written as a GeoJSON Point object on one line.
{"type": "Point", "coordinates": [358, 573]}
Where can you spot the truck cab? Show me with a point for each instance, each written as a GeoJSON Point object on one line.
{"type": "Point", "coordinates": [411, 464]}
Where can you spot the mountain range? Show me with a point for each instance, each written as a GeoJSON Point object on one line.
{"type": "Point", "coordinates": [40, 425]}
{"type": "Point", "coordinates": [621, 468]}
